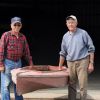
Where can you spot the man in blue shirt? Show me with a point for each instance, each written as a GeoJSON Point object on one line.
{"type": "Point", "coordinates": [78, 50]}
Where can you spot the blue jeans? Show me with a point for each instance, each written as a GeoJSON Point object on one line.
{"type": "Point", "coordinates": [6, 80]}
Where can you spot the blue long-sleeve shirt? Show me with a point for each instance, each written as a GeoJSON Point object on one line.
{"type": "Point", "coordinates": [76, 45]}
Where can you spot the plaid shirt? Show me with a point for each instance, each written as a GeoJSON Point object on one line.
{"type": "Point", "coordinates": [14, 48]}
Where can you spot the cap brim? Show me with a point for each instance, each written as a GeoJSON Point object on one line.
{"type": "Point", "coordinates": [16, 22]}
{"type": "Point", "coordinates": [70, 17]}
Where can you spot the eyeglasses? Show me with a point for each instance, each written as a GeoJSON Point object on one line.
{"type": "Point", "coordinates": [17, 25]}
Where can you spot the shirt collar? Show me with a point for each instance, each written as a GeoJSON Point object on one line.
{"type": "Point", "coordinates": [71, 33]}
{"type": "Point", "coordinates": [19, 34]}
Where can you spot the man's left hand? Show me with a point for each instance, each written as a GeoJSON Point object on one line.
{"type": "Point", "coordinates": [90, 68]}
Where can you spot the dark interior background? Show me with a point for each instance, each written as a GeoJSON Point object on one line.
{"type": "Point", "coordinates": [44, 24]}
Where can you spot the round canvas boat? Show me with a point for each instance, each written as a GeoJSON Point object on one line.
{"type": "Point", "coordinates": [39, 77]}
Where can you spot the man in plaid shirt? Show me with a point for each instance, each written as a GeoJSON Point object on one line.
{"type": "Point", "coordinates": [13, 46]}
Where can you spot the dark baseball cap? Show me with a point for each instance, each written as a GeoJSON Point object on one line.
{"type": "Point", "coordinates": [16, 20]}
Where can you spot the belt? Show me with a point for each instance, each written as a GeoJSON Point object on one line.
{"type": "Point", "coordinates": [15, 60]}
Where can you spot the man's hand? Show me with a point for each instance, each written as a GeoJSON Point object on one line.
{"type": "Point", "coordinates": [2, 68]}
{"type": "Point", "coordinates": [90, 68]}
{"type": "Point", "coordinates": [60, 68]}
{"type": "Point", "coordinates": [30, 67]}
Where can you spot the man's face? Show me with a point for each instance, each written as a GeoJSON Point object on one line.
{"type": "Point", "coordinates": [16, 27]}
{"type": "Point", "coordinates": [71, 24]}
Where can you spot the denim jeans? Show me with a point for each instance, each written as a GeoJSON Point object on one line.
{"type": "Point", "coordinates": [6, 80]}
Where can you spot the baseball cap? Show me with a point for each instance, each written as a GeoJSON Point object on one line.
{"type": "Point", "coordinates": [71, 16]}
{"type": "Point", "coordinates": [15, 20]}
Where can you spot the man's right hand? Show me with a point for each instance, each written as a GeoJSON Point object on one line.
{"type": "Point", "coordinates": [60, 68]}
{"type": "Point", "coordinates": [2, 68]}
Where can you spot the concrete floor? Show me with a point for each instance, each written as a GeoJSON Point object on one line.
{"type": "Point", "coordinates": [58, 94]}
